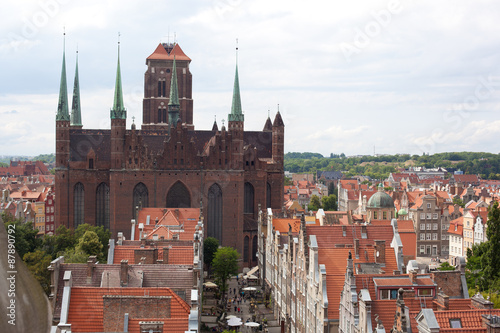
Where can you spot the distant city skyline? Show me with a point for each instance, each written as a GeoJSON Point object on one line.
{"type": "Point", "coordinates": [403, 76]}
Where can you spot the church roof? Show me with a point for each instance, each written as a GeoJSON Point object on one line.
{"type": "Point", "coordinates": [167, 52]}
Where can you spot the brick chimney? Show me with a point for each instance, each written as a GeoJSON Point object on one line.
{"type": "Point", "coordinates": [124, 273]}
{"type": "Point", "coordinates": [443, 301]}
{"type": "Point", "coordinates": [90, 267]}
{"type": "Point", "coordinates": [492, 323]}
{"type": "Point", "coordinates": [413, 276]}
{"type": "Point", "coordinates": [165, 254]}
{"type": "Point", "coordinates": [478, 302]}
{"type": "Point", "coordinates": [380, 251]}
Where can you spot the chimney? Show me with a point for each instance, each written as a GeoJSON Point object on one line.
{"type": "Point", "coordinates": [413, 276]}
{"type": "Point", "coordinates": [356, 248]}
{"type": "Point", "coordinates": [165, 254]}
{"type": "Point", "coordinates": [120, 238]}
{"type": "Point", "coordinates": [443, 301]}
{"type": "Point", "coordinates": [90, 267]}
{"type": "Point", "coordinates": [124, 273]}
{"type": "Point", "coordinates": [132, 231]}
{"type": "Point", "coordinates": [380, 251]}
{"type": "Point", "coordinates": [478, 302]}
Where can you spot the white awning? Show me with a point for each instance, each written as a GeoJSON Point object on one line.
{"type": "Point", "coordinates": [253, 270]}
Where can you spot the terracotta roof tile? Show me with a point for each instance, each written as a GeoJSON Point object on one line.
{"type": "Point", "coordinates": [86, 305]}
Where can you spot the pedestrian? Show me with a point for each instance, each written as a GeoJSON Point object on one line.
{"type": "Point", "coordinates": [236, 278]}
{"type": "Point", "coordinates": [234, 290]}
{"type": "Point", "coordinates": [238, 310]}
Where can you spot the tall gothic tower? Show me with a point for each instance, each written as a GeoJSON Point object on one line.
{"type": "Point", "coordinates": [157, 82]}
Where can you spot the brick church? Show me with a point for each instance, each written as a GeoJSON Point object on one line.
{"type": "Point", "coordinates": [103, 176]}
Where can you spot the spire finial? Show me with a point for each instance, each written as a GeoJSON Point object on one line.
{"type": "Point", "coordinates": [76, 113]}
{"type": "Point", "coordinates": [133, 119]}
{"type": "Point", "coordinates": [118, 111]}
{"type": "Point", "coordinates": [236, 51]}
{"type": "Point", "coordinates": [62, 107]}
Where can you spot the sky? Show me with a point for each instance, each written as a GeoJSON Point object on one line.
{"type": "Point", "coordinates": [352, 77]}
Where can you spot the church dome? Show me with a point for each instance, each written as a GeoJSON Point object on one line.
{"type": "Point", "coordinates": [380, 199]}
{"type": "Point", "coordinates": [402, 211]}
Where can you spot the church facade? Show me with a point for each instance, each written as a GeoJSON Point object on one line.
{"type": "Point", "coordinates": [103, 176]}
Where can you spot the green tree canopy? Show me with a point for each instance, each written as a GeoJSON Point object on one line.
{"type": "Point", "coordinates": [329, 202]}
{"type": "Point", "coordinates": [25, 236]}
{"type": "Point", "coordinates": [314, 203]}
{"type": "Point", "coordinates": [225, 265]}
{"type": "Point", "coordinates": [90, 244]}
{"type": "Point", "coordinates": [38, 262]}
{"type": "Point", "coordinates": [210, 246]}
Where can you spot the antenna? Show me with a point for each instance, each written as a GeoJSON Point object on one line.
{"type": "Point", "coordinates": [236, 51]}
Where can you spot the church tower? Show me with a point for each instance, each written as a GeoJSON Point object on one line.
{"type": "Point", "coordinates": [62, 150]}
{"type": "Point", "coordinates": [236, 124]}
{"type": "Point", "coordinates": [157, 85]}
{"type": "Point", "coordinates": [118, 122]}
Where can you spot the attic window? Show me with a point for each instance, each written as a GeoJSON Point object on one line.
{"type": "Point", "coordinates": [455, 323]}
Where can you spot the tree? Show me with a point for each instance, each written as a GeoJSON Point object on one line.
{"type": "Point", "coordinates": [225, 264]}
{"type": "Point", "coordinates": [103, 234]}
{"type": "Point", "coordinates": [329, 202]}
{"type": "Point", "coordinates": [25, 236]}
{"type": "Point", "coordinates": [89, 243]}
{"type": "Point", "coordinates": [491, 259]}
{"type": "Point", "coordinates": [210, 246]}
{"type": "Point", "coordinates": [38, 262]}
{"type": "Point", "coordinates": [445, 266]}
{"type": "Point", "coordinates": [458, 201]}
{"type": "Point", "coordinates": [64, 239]}
{"type": "Point", "coordinates": [314, 203]}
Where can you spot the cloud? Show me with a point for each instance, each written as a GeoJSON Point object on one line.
{"type": "Point", "coordinates": [10, 112]}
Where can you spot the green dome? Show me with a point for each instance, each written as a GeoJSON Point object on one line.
{"type": "Point", "coordinates": [402, 211]}
{"type": "Point", "coordinates": [380, 199]}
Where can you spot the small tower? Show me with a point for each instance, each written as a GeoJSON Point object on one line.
{"type": "Point", "coordinates": [236, 123]}
{"type": "Point", "coordinates": [62, 120]}
{"type": "Point", "coordinates": [76, 113]}
{"type": "Point", "coordinates": [118, 122]}
{"type": "Point", "coordinates": [278, 140]}
{"type": "Point", "coordinates": [173, 103]}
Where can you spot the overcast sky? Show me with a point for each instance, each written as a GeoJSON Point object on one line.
{"type": "Point", "coordinates": [349, 76]}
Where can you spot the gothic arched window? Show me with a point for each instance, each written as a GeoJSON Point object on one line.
{"type": "Point", "coordinates": [214, 212]}
{"type": "Point", "coordinates": [245, 248]}
{"type": "Point", "coordinates": [102, 205]}
{"type": "Point", "coordinates": [141, 198]}
{"type": "Point", "coordinates": [268, 196]}
{"type": "Point", "coordinates": [248, 199]}
{"type": "Point", "coordinates": [78, 204]}
{"type": "Point", "coordinates": [178, 196]}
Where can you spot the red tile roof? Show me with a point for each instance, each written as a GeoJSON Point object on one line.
{"type": "Point", "coordinates": [281, 225]}
{"type": "Point", "coordinates": [161, 53]}
{"type": "Point", "coordinates": [471, 319]}
{"type": "Point", "coordinates": [86, 305]}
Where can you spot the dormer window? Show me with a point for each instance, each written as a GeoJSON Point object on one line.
{"type": "Point", "coordinates": [455, 323]}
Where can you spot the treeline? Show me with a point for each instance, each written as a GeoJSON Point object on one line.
{"type": "Point", "coordinates": [487, 165]}
{"type": "Point", "coordinates": [46, 158]}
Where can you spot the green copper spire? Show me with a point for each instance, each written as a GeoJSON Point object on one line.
{"type": "Point", "coordinates": [174, 91]}
{"type": "Point", "coordinates": [173, 103]}
{"type": "Point", "coordinates": [76, 114]}
{"type": "Point", "coordinates": [118, 111]}
{"type": "Point", "coordinates": [62, 107]}
{"type": "Point", "coordinates": [236, 113]}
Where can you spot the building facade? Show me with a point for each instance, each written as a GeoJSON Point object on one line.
{"type": "Point", "coordinates": [104, 175]}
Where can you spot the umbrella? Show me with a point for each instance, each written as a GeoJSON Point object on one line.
{"type": "Point", "coordinates": [210, 285]}
{"type": "Point", "coordinates": [234, 322]}
{"type": "Point", "coordinates": [252, 324]}
{"type": "Point", "coordinates": [231, 316]}
{"type": "Point", "coordinates": [252, 277]}
{"type": "Point", "coordinates": [250, 289]}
